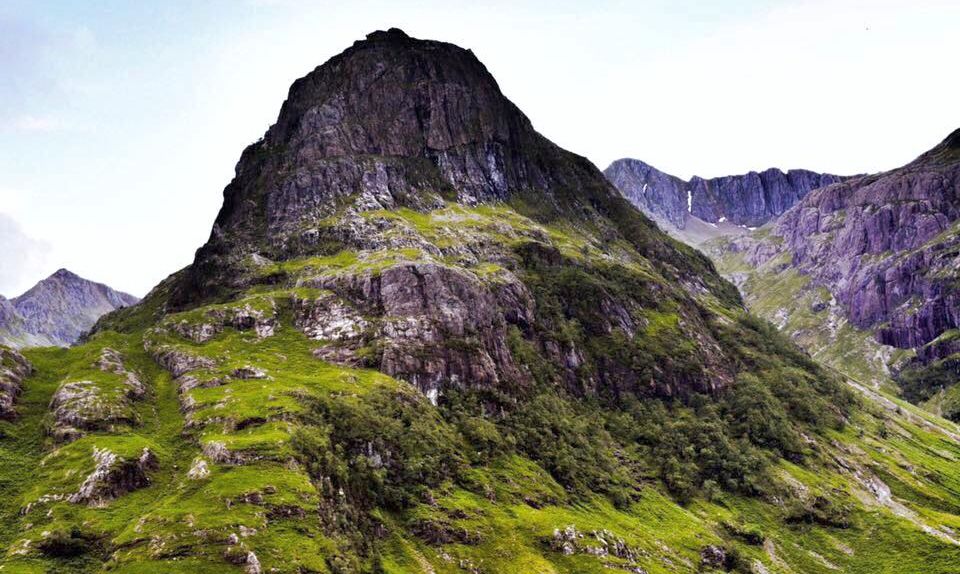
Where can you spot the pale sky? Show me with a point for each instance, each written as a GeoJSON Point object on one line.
{"type": "Point", "coordinates": [121, 124]}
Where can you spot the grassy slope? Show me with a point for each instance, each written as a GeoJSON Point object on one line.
{"type": "Point", "coordinates": [507, 503]}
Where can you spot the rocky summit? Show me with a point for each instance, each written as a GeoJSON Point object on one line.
{"type": "Point", "coordinates": [57, 310]}
{"type": "Point", "coordinates": [748, 200]}
{"type": "Point", "coordinates": [882, 251]}
{"type": "Point", "coordinates": [423, 338]}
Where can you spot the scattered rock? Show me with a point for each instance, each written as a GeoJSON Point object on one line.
{"type": "Point", "coordinates": [199, 470]}
{"type": "Point", "coordinates": [248, 372]}
{"type": "Point", "coordinates": [14, 368]}
{"type": "Point", "coordinates": [713, 556]}
{"type": "Point", "coordinates": [599, 543]}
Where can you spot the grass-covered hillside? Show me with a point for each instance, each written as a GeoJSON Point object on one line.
{"type": "Point", "coordinates": [254, 434]}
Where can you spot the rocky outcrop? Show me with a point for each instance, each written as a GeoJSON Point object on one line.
{"type": "Point", "coordinates": [876, 240]}
{"type": "Point", "coordinates": [395, 122]}
{"type": "Point", "coordinates": [242, 316]}
{"type": "Point", "coordinates": [175, 360]}
{"type": "Point", "coordinates": [600, 543]}
{"type": "Point", "coordinates": [81, 406]}
{"type": "Point", "coordinates": [434, 325]}
{"type": "Point", "coordinates": [14, 368]}
{"type": "Point", "coordinates": [57, 310]}
{"type": "Point", "coordinates": [748, 200]}
{"type": "Point", "coordinates": [114, 476]}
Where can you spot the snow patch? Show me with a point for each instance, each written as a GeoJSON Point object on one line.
{"type": "Point", "coordinates": [689, 201]}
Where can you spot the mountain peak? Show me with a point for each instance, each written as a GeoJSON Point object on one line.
{"type": "Point", "coordinates": [64, 274]}
{"type": "Point", "coordinates": [392, 122]}
{"type": "Point", "coordinates": [58, 310]}
{"type": "Point", "coordinates": [391, 35]}
{"type": "Point", "coordinates": [953, 140]}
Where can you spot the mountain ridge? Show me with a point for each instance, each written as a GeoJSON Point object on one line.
{"type": "Point", "coordinates": [748, 200]}
{"type": "Point", "coordinates": [57, 310]}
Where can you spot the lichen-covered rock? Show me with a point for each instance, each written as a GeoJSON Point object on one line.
{"type": "Point", "coordinates": [114, 476]}
{"type": "Point", "coordinates": [14, 368]}
{"type": "Point", "coordinates": [328, 318]}
{"type": "Point", "coordinates": [111, 361]}
{"type": "Point", "coordinates": [199, 469]}
{"type": "Point", "coordinates": [81, 406]}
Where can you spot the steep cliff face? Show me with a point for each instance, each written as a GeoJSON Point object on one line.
{"type": "Point", "coordinates": [748, 200]}
{"type": "Point", "coordinates": [886, 247]}
{"type": "Point", "coordinates": [57, 310]}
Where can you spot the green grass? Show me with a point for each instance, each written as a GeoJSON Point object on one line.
{"type": "Point", "coordinates": [350, 470]}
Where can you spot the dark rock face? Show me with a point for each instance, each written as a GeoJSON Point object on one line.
{"type": "Point", "coordinates": [750, 200]}
{"type": "Point", "coordinates": [650, 189]}
{"type": "Point", "coordinates": [435, 325]}
{"type": "Point", "coordinates": [13, 369]}
{"type": "Point", "coordinates": [57, 310]}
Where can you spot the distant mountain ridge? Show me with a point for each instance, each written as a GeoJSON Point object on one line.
{"type": "Point", "coordinates": [747, 200]}
{"type": "Point", "coordinates": [57, 310]}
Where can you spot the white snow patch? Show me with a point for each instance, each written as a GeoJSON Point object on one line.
{"type": "Point", "coordinates": [689, 201]}
{"type": "Point", "coordinates": [722, 219]}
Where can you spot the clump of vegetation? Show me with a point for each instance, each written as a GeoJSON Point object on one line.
{"type": "Point", "coordinates": [69, 543]}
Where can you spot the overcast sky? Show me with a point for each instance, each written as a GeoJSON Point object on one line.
{"type": "Point", "coordinates": [121, 124]}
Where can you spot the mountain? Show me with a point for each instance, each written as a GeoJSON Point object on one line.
{"type": "Point", "coordinates": [749, 200]}
{"type": "Point", "coordinates": [57, 310]}
{"type": "Point", "coordinates": [875, 257]}
{"type": "Point", "coordinates": [423, 338]}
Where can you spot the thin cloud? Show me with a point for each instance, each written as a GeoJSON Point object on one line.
{"type": "Point", "coordinates": [40, 124]}
{"type": "Point", "coordinates": [23, 259]}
